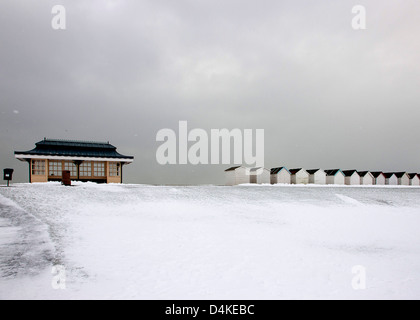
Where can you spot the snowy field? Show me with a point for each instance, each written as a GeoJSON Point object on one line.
{"type": "Point", "coordinates": [245, 242]}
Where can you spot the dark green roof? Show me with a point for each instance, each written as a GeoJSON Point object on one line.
{"type": "Point", "coordinates": [333, 172]}
{"type": "Point", "coordinates": [278, 170]}
{"type": "Point", "coordinates": [72, 148]}
{"type": "Point", "coordinates": [232, 169]}
{"type": "Point", "coordinates": [349, 173]}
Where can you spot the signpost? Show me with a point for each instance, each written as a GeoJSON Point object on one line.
{"type": "Point", "coordinates": [8, 175]}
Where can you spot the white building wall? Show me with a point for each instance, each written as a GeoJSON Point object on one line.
{"type": "Point", "coordinates": [393, 181]}
{"type": "Point", "coordinates": [367, 180]}
{"type": "Point", "coordinates": [283, 177]}
{"type": "Point", "coordinates": [404, 181]}
{"type": "Point", "coordinates": [241, 176]}
{"type": "Point", "coordinates": [301, 177]}
{"type": "Point", "coordinates": [338, 179]}
{"type": "Point", "coordinates": [380, 181]}
{"type": "Point", "coordinates": [236, 177]}
{"type": "Point", "coordinates": [230, 177]}
{"type": "Point", "coordinates": [330, 180]}
{"type": "Point", "coordinates": [415, 181]}
{"type": "Point", "coordinates": [320, 177]}
{"type": "Point", "coordinates": [264, 177]}
{"type": "Point", "coordinates": [354, 180]}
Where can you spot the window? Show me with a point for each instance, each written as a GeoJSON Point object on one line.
{"type": "Point", "coordinates": [70, 166]}
{"type": "Point", "coordinates": [86, 169]}
{"type": "Point", "coordinates": [55, 168]}
{"type": "Point", "coordinates": [114, 169]}
{"type": "Point", "coordinates": [99, 169]}
{"type": "Point", "coordinates": [38, 167]}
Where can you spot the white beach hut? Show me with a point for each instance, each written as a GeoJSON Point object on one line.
{"type": "Point", "coordinates": [391, 179]}
{"type": "Point", "coordinates": [299, 176]}
{"type": "Point", "coordinates": [414, 179]}
{"type": "Point", "coordinates": [335, 176]}
{"type": "Point", "coordinates": [260, 175]}
{"type": "Point", "coordinates": [352, 177]}
{"type": "Point", "coordinates": [366, 178]}
{"type": "Point", "coordinates": [281, 176]}
{"type": "Point", "coordinates": [379, 178]}
{"type": "Point", "coordinates": [317, 176]}
{"type": "Point", "coordinates": [237, 175]}
{"type": "Point", "coordinates": [403, 178]}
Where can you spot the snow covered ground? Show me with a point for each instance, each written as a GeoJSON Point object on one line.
{"type": "Point", "coordinates": [209, 242]}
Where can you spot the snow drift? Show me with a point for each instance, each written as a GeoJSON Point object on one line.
{"type": "Point", "coordinates": [245, 242]}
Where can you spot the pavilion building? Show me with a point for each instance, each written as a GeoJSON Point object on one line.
{"type": "Point", "coordinates": [87, 161]}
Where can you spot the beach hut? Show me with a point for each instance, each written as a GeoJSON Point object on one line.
{"type": "Point", "coordinates": [366, 178]}
{"type": "Point", "coordinates": [280, 176]}
{"type": "Point", "coordinates": [391, 179]}
{"type": "Point", "coordinates": [414, 179]}
{"type": "Point", "coordinates": [403, 178]}
{"type": "Point", "coordinates": [237, 175]}
{"type": "Point", "coordinates": [335, 176]}
{"type": "Point", "coordinates": [299, 176]}
{"type": "Point", "coordinates": [352, 177]}
{"type": "Point", "coordinates": [317, 176]}
{"type": "Point", "coordinates": [379, 178]}
{"type": "Point", "coordinates": [260, 175]}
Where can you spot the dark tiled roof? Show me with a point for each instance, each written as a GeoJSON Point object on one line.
{"type": "Point", "coordinates": [332, 172]}
{"type": "Point", "coordinates": [349, 173]}
{"type": "Point", "coordinates": [232, 169]}
{"type": "Point", "coordinates": [294, 171]}
{"type": "Point", "coordinates": [256, 169]}
{"type": "Point", "coordinates": [413, 175]}
{"type": "Point", "coordinates": [74, 143]}
{"type": "Point", "coordinates": [363, 173]}
{"type": "Point", "coordinates": [277, 170]}
{"type": "Point", "coordinates": [376, 174]}
{"type": "Point", "coordinates": [71, 148]}
{"type": "Point", "coordinates": [313, 171]}
{"type": "Point", "coordinates": [400, 174]}
{"type": "Point", "coordinates": [389, 174]}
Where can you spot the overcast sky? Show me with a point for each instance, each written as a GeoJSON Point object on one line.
{"type": "Point", "coordinates": [327, 96]}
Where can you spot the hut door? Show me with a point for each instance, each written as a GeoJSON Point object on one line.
{"type": "Point", "coordinates": [253, 178]}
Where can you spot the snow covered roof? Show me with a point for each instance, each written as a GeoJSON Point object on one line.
{"type": "Point", "coordinates": [73, 149]}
